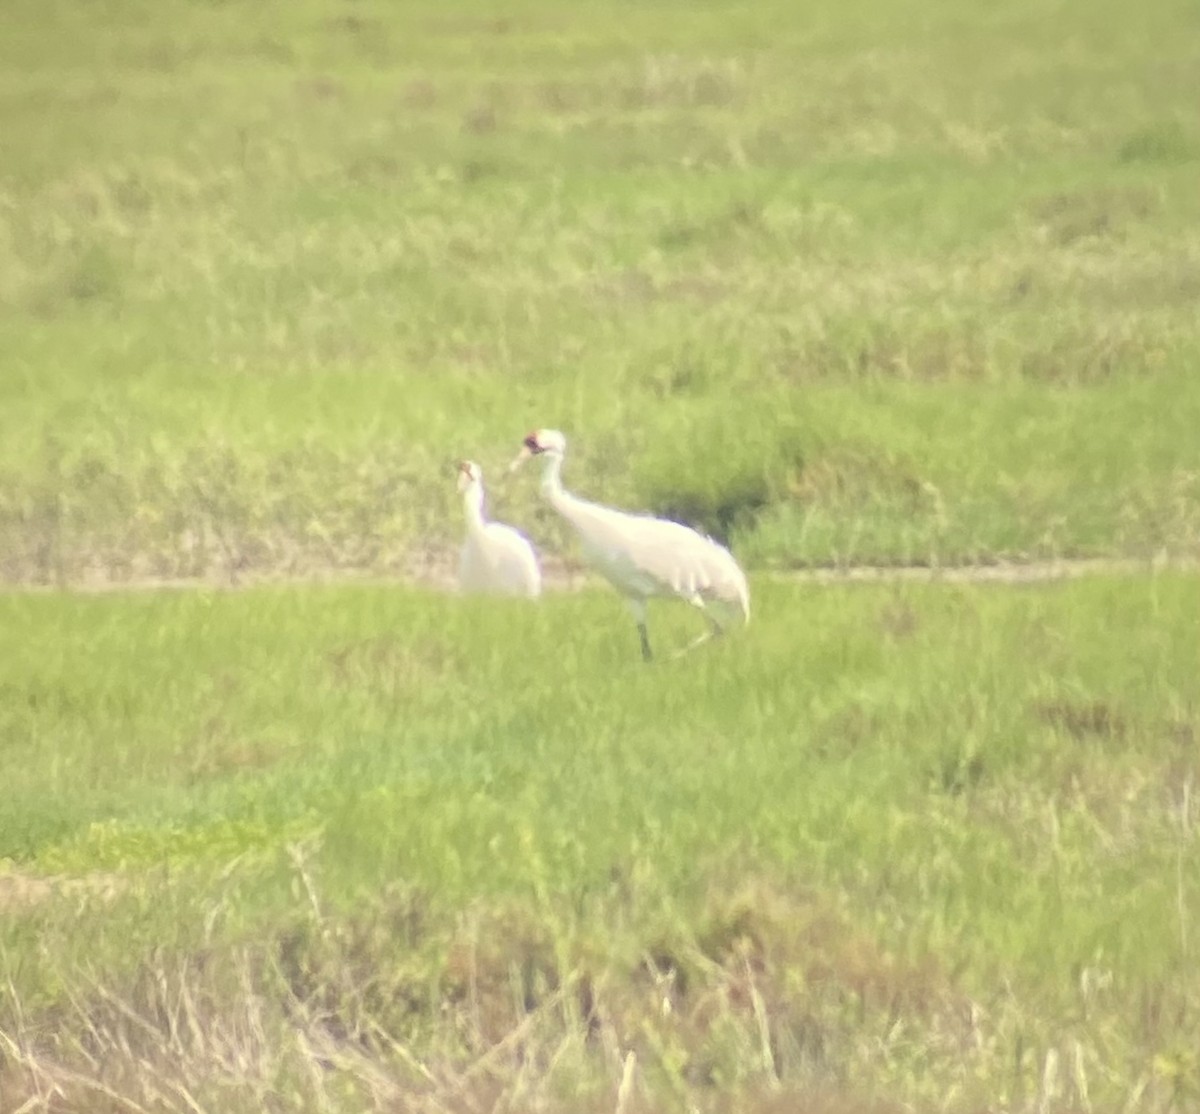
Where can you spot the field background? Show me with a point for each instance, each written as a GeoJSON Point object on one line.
{"type": "Point", "coordinates": [843, 283]}
{"type": "Point", "coordinates": [852, 282]}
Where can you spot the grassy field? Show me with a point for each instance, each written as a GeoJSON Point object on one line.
{"type": "Point", "coordinates": [862, 281]}
{"type": "Point", "coordinates": [840, 282]}
{"type": "Point", "coordinates": [365, 848]}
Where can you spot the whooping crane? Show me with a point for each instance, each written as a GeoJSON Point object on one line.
{"type": "Point", "coordinates": [494, 557]}
{"type": "Point", "coordinates": [642, 556]}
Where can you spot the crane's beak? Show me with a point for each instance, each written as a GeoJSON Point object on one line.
{"type": "Point", "coordinates": [521, 457]}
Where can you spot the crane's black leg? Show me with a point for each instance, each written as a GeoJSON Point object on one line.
{"type": "Point", "coordinates": [638, 609]}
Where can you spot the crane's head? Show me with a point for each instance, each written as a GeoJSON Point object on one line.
{"type": "Point", "coordinates": [541, 441]}
{"type": "Point", "coordinates": [468, 474]}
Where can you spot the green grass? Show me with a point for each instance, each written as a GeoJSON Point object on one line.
{"type": "Point", "coordinates": [866, 281]}
{"type": "Point", "coordinates": [841, 282]}
{"type": "Point", "coordinates": [950, 829]}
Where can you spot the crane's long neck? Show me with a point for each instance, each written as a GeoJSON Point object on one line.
{"type": "Point", "coordinates": [556, 495]}
{"type": "Point", "coordinates": [473, 507]}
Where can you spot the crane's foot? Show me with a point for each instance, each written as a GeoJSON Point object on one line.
{"type": "Point", "coordinates": [715, 631]}
{"type": "Point", "coordinates": [698, 641]}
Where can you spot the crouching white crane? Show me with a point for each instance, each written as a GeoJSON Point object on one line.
{"type": "Point", "coordinates": [642, 556]}
{"type": "Point", "coordinates": [494, 557]}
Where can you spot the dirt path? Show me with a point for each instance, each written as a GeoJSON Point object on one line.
{"type": "Point", "coordinates": [435, 571]}
{"type": "Point", "coordinates": [999, 572]}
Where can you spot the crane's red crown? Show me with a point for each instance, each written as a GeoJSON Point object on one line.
{"type": "Point", "coordinates": [532, 444]}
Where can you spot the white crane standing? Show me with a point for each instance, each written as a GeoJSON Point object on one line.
{"type": "Point", "coordinates": [642, 556]}
{"type": "Point", "coordinates": [494, 557]}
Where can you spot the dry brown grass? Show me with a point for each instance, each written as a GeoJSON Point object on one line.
{"type": "Point", "coordinates": [21, 889]}
{"type": "Point", "coordinates": [396, 1010]}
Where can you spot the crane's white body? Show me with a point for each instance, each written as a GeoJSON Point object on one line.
{"type": "Point", "coordinates": [494, 558]}
{"type": "Point", "coordinates": [643, 556]}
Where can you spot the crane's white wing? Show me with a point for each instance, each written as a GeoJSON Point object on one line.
{"type": "Point", "coordinates": [499, 559]}
{"type": "Point", "coordinates": [645, 556]}
{"type": "Point", "coordinates": [514, 559]}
